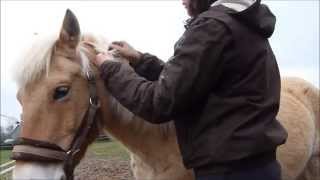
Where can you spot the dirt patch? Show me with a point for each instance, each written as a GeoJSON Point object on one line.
{"type": "Point", "coordinates": [92, 168]}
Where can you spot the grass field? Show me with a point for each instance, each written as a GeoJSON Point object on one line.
{"type": "Point", "coordinates": [101, 149]}
{"type": "Point", "coordinates": [4, 156]}
{"type": "Point", "coordinates": [108, 149]}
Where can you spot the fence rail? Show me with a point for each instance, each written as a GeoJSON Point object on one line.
{"type": "Point", "coordinates": [6, 167]}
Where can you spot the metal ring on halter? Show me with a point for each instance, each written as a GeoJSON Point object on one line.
{"type": "Point", "coordinates": [93, 102]}
{"type": "Point", "coordinates": [89, 76]}
{"type": "Point", "coordinates": [73, 153]}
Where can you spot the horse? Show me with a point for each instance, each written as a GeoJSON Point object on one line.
{"type": "Point", "coordinates": [65, 104]}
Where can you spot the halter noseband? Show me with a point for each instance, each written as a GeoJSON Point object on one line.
{"type": "Point", "coordinates": [33, 150]}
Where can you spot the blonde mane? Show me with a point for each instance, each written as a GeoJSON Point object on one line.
{"type": "Point", "coordinates": [35, 61]}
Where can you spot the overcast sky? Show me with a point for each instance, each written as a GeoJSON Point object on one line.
{"type": "Point", "coordinates": [150, 26]}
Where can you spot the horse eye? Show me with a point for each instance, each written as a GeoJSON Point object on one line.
{"type": "Point", "coordinates": [60, 92]}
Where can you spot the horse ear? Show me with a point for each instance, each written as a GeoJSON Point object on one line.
{"type": "Point", "coordinates": [70, 31]}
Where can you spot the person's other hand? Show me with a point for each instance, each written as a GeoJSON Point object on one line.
{"type": "Point", "coordinates": [126, 50]}
{"type": "Point", "coordinates": [102, 57]}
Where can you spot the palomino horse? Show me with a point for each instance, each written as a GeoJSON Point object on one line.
{"type": "Point", "coordinates": [57, 91]}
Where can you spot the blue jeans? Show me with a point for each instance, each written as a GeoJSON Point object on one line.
{"type": "Point", "coordinates": [271, 171]}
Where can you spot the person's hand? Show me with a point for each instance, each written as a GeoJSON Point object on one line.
{"type": "Point", "coordinates": [102, 57]}
{"type": "Point", "coordinates": [125, 50]}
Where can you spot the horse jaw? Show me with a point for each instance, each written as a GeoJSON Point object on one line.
{"type": "Point", "coordinates": [35, 170]}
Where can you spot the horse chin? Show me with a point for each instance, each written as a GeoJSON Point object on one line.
{"type": "Point", "coordinates": [35, 170]}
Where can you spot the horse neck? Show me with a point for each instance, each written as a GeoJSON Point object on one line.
{"type": "Point", "coordinates": [132, 131]}
{"type": "Point", "coordinates": [137, 135]}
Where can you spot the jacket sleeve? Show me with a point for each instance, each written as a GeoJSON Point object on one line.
{"type": "Point", "coordinates": [184, 80]}
{"type": "Point", "coordinates": [149, 67]}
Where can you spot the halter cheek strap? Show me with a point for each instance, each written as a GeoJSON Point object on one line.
{"type": "Point", "coordinates": [83, 132]}
{"type": "Point", "coordinates": [34, 150]}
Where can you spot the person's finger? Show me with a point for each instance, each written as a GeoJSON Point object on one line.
{"type": "Point", "coordinates": [100, 57]}
{"type": "Point", "coordinates": [115, 42]}
{"type": "Point", "coordinates": [123, 43]}
{"type": "Point", "coordinates": [115, 46]}
{"type": "Point", "coordinates": [119, 43]}
{"type": "Point", "coordinates": [105, 55]}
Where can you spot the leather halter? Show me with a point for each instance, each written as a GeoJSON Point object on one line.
{"type": "Point", "coordinates": [33, 150]}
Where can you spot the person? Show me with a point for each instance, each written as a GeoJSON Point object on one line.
{"type": "Point", "coordinates": [221, 88]}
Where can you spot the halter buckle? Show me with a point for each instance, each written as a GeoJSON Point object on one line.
{"type": "Point", "coordinates": [72, 153]}
{"type": "Point", "coordinates": [94, 102]}
{"type": "Point", "coordinates": [89, 75]}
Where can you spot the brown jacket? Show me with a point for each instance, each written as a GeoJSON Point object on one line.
{"type": "Point", "coordinates": [221, 87]}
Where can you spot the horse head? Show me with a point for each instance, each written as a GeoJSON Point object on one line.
{"type": "Point", "coordinates": [59, 103]}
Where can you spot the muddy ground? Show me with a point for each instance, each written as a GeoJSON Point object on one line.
{"type": "Point", "coordinates": [93, 168]}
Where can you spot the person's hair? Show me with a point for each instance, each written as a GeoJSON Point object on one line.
{"type": "Point", "coordinates": [199, 6]}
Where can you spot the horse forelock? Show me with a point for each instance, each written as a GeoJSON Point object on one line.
{"type": "Point", "coordinates": [34, 61]}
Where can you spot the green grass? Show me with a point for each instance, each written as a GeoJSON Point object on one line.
{"type": "Point", "coordinates": [4, 156]}
{"type": "Point", "coordinates": [109, 149]}
{"type": "Point", "coordinates": [6, 176]}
